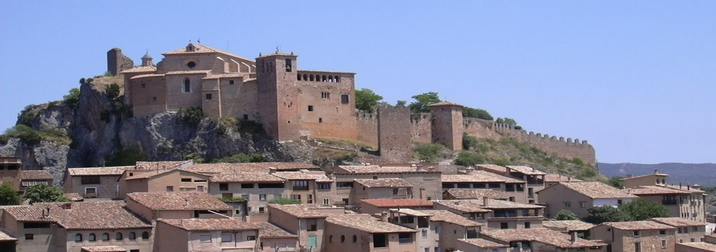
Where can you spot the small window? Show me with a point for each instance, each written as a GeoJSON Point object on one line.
{"type": "Point", "coordinates": [250, 238]}
{"type": "Point", "coordinates": [663, 243]}
{"type": "Point", "coordinates": [145, 235]}
{"type": "Point", "coordinates": [227, 237]}
{"type": "Point", "coordinates": [185, 179]}
{"type": "Point", "coordinates": [405, 237]}
{"type": "Point", "coordinates": [344, 99]}
{"type": "Point", "coordinates": [636, 233]}
{"type": "Point", "coordinates": [105, 236]}
{"type": "Point", "coordinates": [208, 96]}
{"type": "Point", "coordinates": [231, 82]}
{"type": "Point", "coordinates": [662, 232]}
{"type": "Point", "coordinates": [289, 66]}
{"type": "Point", "coordinates": [246, 117]}
{"type": "Point", "coordinates": [504, 225]}
{"type": "Point", "coordinates": [132, 236]}
{"type": "Point", "coordinates": [170, 188]}
{"type": "Point", "coordinates": [92, 237]}
{"type": "Point", "coordinates": [320, 120]}
{"type": "Point", "coordinates": [78, 237]}
{"type": "Point", "coordinates": [395, 191]}
{"type": "Point", "coordinates": [118, 236]}
{"type": "Point", "coordinates": [355, 238]}
{"type": "Point", "coordinates": [261, 210]}
{"type": "Point", "coordinates": [187, 85]}
{"type": "Point", "coordinates": [262, 197]}
{"type": "Point", "coordinates": [223, 186]}
{"type": "Point", "coordinates": [154, 98]}
{"type": "Point", "coordinates": [330, 239]}
{"type": "Point", "coordinates": [191, 64]}
{"type": "Point", "coordinates": [89, 180]}
{"type": "Point", "coordinates": [343, 238]}
{"type": "Point", "coordinates": [250, 185]}
{"type": "Point", "coordinates": [90, 190]}
{"type": "Point", "coordinates": [310, 107]}
{"type": "Point", "coordinates": [528, 225]}
{"type": "Point", "coordinates": [29, 236]}
{"type": "Point", "coordinates": [144, 85]}
{"type": "Point", "coordinates": [205, 238]}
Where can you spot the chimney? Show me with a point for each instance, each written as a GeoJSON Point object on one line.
{"type": "Point", "coordinates": [573, 236]}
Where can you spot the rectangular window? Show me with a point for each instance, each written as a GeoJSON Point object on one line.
{"type": "Point", "coordinates": [310, 107]}
{"type": "Point", "coordinates": [90, 180]}
{"type": "Point", "coordinates": [262, 197]}
{"type": "Point", "coordinates": [311, 225]}
{"type": "Point", "coordinates": [261, 210]}
{"type": "Point", "coordinates": [170, 188]}
{"type": "Point", "coordinates": [90, 190]}
{"type": "Point", "coordinates": [324, 186]}
{"type": "Point", "coordinates": [296, 197]}
{"type": "Point", "coordinates": [344, 99]}
{"type": "Point", "coordinates": [289, 65]}
{"type": "Point", "coordinates": [300, 185]}
{"type": "Point", "coordinates": [29, 236]}
{"type": "Point", "coordinates": [231, 82]}
{"type": "Point", "coordinates": [208, 96]}
{"type": "Point", "coordinates": [528, 225]}
{"type": "Point", "coordinates": [227, 237]}
{"type": "Point", "coordinates": [637, 247]}
{"type": "Point", "coordinates": [344, 184]}
{"type": "Point", "coordinates": [405, 237]}
{"type": "Point", "coordinates": [205, 238]}
{"type": "Point", "coordinates": [662, 232]}
{"type": "Point", "coordinates": [187, 86]}
{"type": "Point", "coordinates": [663, 243]}
{"type": "Point", "coordinates": [567, 204]}
{"type": "Point", "coordinates": [247, 185]}
{"type": "Point", "coordinates": [185, 179]}
{"type": "Point", "coordinates": [251, 238]}
{"type": "Point", "coordinates": [326, 202]}
{"type": "Point", "coordinates": [223, 186]}
{"type": "Point", "coordinates": [380, 240]}
{"type": "Point", "coordinates": [504, 225]}
{"type": "Point", "coordinates": [636, 233]}
{"type": "Point", "coordinates": [27, 225]}
{"type": "Point", "coordinates": [274, 185]}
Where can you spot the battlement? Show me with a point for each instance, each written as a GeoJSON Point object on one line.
{"type": "Point", "coordinates": [363, 115]}
{"type": "Point", "coordinates": [509, 129]}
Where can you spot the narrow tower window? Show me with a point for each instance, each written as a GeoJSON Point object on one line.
{"type": "Point", "coordinates": [289, 66]}
{"type": "Point", "coordinates": [187, 85]}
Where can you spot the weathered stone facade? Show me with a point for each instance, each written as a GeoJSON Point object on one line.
{"type": "Point", "coordinates": [292, 103]}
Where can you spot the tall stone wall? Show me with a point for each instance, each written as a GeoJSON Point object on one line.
{"type": "Point", "coordinates": [421, 128]}
{"type": "Point", "coordinates": [117, 61]}
{"type": "Point", "coordinates": [393, 136]}
{"type": "Point", "coordinates": [368, 129]}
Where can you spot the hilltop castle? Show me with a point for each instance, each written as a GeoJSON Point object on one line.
{"type": "Point", "coordinates": [292, 103]}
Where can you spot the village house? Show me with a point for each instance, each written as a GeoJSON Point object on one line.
{"type": "Point", "coordinates": [681, 201]}
{"type": "Point", "coordinates": [480, 179]}
{"type": "Point", "coordinates": [94, 182]}
{"type": "Point", "coordinates": [273, 238]}
{"type": "Point", "coordinates": [686, 230]}
{"type": "Point", "coordinates": [551, 179]}
{"type": "Point", "coordinates": [364, 233]}
{"type": "Point", "coordinates": [533, 179]}
{"type": "Point", "coordinates": [176, 205]}
{"type": "Point", "coordinates": [542, 239]}
{"type": "Point", "coordinates": [162, 180]}
{"type": "Point", "coordinates": [636, 236]}
{"type": "Point", "coordinates": [74, 226]}
{"type": "Point", "coordinates": [382, 188]}
{"type": "Point", "coordinates": [12, 174]}
{"type": "Point", "coordinates": [481, 245]}
{"type": "Point", "coordinates": [496, 214]}
{"type": "Point", "coordinates": [437, 230]}
{"type": "Point", "coordinates": [427, 237]}
{"type": "Point", "coordinates": [380, 206]}
{"type": "Point", "coordinates": [425, 180]}
{"type": "Point", "coordinates": [695, 247]}
{"type": "Point", "coordinates": [578, 197]}
{"type": "Point", "coordinates": [578, 227]}
{"type": "Point", "coordinates": [307, 222]}
{"type": "Point", "coordinates": [466, 193]}
{"type": "Point", "coordinates": [307, 187]}
{"type": "Point", "coordinates": [199, 235]}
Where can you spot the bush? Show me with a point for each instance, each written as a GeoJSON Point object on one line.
{"type": "Point", "coordinates": [598, 215]}
{"type": "Point", "coordinates": [565, 214]}
{"type": "Point", "coordinates": [469, 158]}
{"type": "Point", "coordinates": [191, 116]}
{"type": "Point", "coordinates": [242, 158]}
{"type": "Point", "coordinates": [469, 142]}
{"type": "Point", "coordinates": [27, 115]}
{"type": "Point", "coordinates": [8, 195]}
{"type": "Point", "coordinates": [72, 99]}
{"type": "Point", "coordinates": [44, 193]}
{"type": "Point", "coordinates": [641, 209]}
{"type": "Point", "coordinates": [476, 113]}
{"type": "Point", "coordinates": [430, 152]}
{"type": "Point", "coordinates": [616, 182]}
{"type": "Point", "coordinates": [128, 156]}
{"type": "Point", "coordinates": [233, 199]}
{"type": "Point", "coordinates": [112, 91]}
{"type": "Point", "coordinates": [25, 133]}
{"type": "Point", "coordinates": [285, 201]}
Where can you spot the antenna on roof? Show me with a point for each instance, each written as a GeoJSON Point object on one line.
{"type": "Point", "coordinates": [276, 49]}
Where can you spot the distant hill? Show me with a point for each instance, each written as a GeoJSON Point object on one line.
{"type": "Point", "coordinates": [702, 174]}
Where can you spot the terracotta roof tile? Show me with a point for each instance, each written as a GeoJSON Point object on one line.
{"type": "Point", "coordinates": [34, 175]}
{"type": "Point", "coordinates": [637, 225]}
{"type": "Point", "coordinates": [178, 201]}
{"type": "Point", "coordinates": [449, 217]}
{"type": "Point", "coordinates": [567, 225]}
{"type": "Point", "coordinates": [383, 183]}
{"type": "Point", "coordinates": [704, 246]}
{"type": "Point", "coordinates": [678, 222]}
{"type": "Point", "coordinates": [559, 178]}
{"type": "Point", "coordinates": [482, 243]}
{"type": "Point", "coordinates": [541, 235]}
{"type": "Point", "coordinates": [478, 177]}
{"type": "Point", "coordinates": [222, 224]}
{"type": "Point", "coordinates": [470, 193]}
{"type": "Point", "coordinates": [110, 248]}
{"type": "Point", "coordinates": [255, 177]}
{"type": "Point", "coordinates": [398, 203]}
{"type": "Point", "coordinates": [251, 167]}
{"type": "Point", "coordinates": [268, 230]}
{"type": "Point", "coordinates": [654, 190]}
{"type": "Point", "coordinates": [140, 69]}
{"type": "Point", "coordinates": [305, 211]}
{"type": "Point", "coordinates": [94, 171]}
{"type": "Point", "coordinates": [492, 168]}
{"type": "Point", "coordinates": [377, 169]}
{"type": "Point", "coordinates": [595, 190]}
{"type": "Point", "coordinates": [526, 170]}
{"type": "Point", "coordinates": [99, 215]}
{"type": "Point", "coordinates": [366, 223]}
{"type": "Point", "coordinates": [303, 175]}
{"type": "Point", "coordinates": [465, 206]}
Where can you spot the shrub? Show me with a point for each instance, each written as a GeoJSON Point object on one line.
{"type": "Point", "coordinates": [233, 199]}
{"type": "Point", "coordinates": [128, 156]}
{"type": "Point", "coordinates": [191, 116]}
{"type": "Point", "coordinates": [44, 193]}
{"type": "Point", "coordinates": [112, 91]}
{"type": "Point", "coordinates": [430, 152]}
{"type": "Point", "coordinates": [285, 201]}
{"type": "Point", "coordinates": [72, 99]}
{"type": "Point", "coordinates": [27, 115]}
{"type": "Point", "coordinates": [469, 158]}
{"type": "Point", "coordinates": [598, 215]}
{"type": "Point", "coordinates": [616, 182]}
{"type": "Point", "coordinates": [565, 214]}
{"type": "Point", "coordinates": [476, 113]}
{"type": "Point", "coordinates": [641, 209]}
{"type": "Point", "coordinates": [242, 158]}
{"type": "Point", "coordinates": [25, 133]}
{"type": "Point", "coordinates": [8, 195]}
{"type": "Point", "coordinates": [469, 142]}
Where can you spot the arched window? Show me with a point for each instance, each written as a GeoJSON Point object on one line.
{"type": "Point", "coordinates": [323, 78]}
{"type": "Point", "coordinates": [132, 236]}
{"type": "Point", "coordinates": [118, 236]}
{"type": "Point", "coordinates": [310, 77]}
{"type": "Point", "coordinates": [105, 237]}
{"type": "Point", "coordinates": [92, 237]}
{"type": "Point", "coordinates": [78, 237]}
{"type": "Point", "coordinates": [305, 77]}
{"type": "Point", "coordinates": [145, 235]}
{"type": "Point", "coordinates": [187, 85]}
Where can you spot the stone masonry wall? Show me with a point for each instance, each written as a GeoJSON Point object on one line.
{"type": "Point", "coordinates": [394, 140]}
{"type": "Point", "coordinates": [367, 126]}
{"type": "Point", "coordinates": [421, 128]}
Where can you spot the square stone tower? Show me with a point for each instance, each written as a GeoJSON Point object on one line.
{"type": "Point", "coordinates": [278, 95]}
{"type": "Point", "coordinates": [447, 124]}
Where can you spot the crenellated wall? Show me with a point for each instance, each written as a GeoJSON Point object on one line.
{"type": "Point", "coordinates": [367, 128]}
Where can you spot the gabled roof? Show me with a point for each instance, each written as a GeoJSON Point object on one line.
{"type": "Point", "coordinates": [305, 211]}
{"type": "Point", "coordinates": [525, 170]}
{"type": "Point", "coordinates": [702, 246]}
{"type": "Point", "coordinates": [218, 224]}
{"type": "Point", "coordinates": [377, 169]}
{"type": "Point", "coordinates": [318, 176]}
{"type": "Point", "coordinates": [252, 177]}
{"type": "Point", "coordinates": [98, 171]}
{"type": "Point", "coordinates": [485, 244]}
{"type": "Point", "coordinates": [384, 183]}
{"type": "Point", "coordinates": [654, 190]}
{"type": "Point", "coordinates": [34, 175]}
{"type": "Point", "coordinates": [637, 225]}
{"type": "Point", "coordinates": [367, 223]}
{"type": "Point", "coordinates": [478, 177]}
{"type": "Point", "coordinates": [471, 193]}
{"type": "Point", "coordinates": [268, 231]}
{"type": "Point", "coordinates": [594, 190]}
{"type": "Point", "coordinates": [146, 174]}
{"type": "Point", "coordinates": [449, 217]}
{"type": "Point", "coordinates": [567, 225]}
{"type": "Point", "coordinates": [398, 203]}
{"type": "Point", "coordinates": [540, 235]}
{"type": "Point", "coordinates": [178, 201]}
{"type": "Point", "coordinates": [201, 48]}
{"type": "Point", "coordinates": [465, 206]}
{"type": "Point", "coordinates": [98, 215]}
{"type": "Point", "coordinates": [678, 222]}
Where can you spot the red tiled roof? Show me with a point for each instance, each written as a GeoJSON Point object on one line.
{"type": "Point", "coordinates": [395, 203]}
{"type": "Point", "coordinates": [178, 201]}
{"type": "Point", "coordinates": [223, 224]}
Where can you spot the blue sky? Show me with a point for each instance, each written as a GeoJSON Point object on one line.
{"type": "Point", "coordinates": [635, 78]}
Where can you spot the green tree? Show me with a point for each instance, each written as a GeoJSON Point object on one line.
{"type": "Point", "coordinates": [565, 214]}
{"type": "Point", "coordinates": [72, 99]}
{"type": "Point", "coordinates": [285, 201]}
{"type": "Point", "coordinates": [44, 193]}
{"type": "Point", "coordinates": [367, 100]}
{"type": "Point", "coordinates": [476, 113]}
{"type": "Point", "coordinates": [508, 121]}
{"type": "Point", "coordinates": [191, 116]}
{"type": "Point", "coordinates": [112, 91]}
{"type": "Point", "coordinates": [598, 215]}
{"type": "Point", "coordinates": [469, 158]}
{"type": "Point", "coordinates": [616, 182]}
{"type": "Point", "coordinates": [469, 142]}
{"type": "Point", "coordinates": [8, 195]}
{"type": "Point", "coordinates": [401, 103]}
{"type": "Point", "coordinates": [641, 209]}
{"type": "Point", "coordinates": [423, 101]}
{"type": "Point", "coordinates": [429, 152]}
{"type": "Point", "coordinates": [128, 156]}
